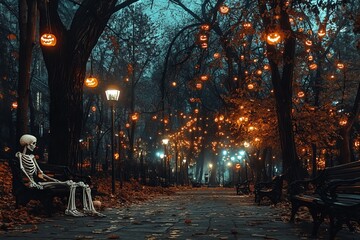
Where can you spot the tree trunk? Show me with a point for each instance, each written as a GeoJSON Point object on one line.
{"type": "Point", "coordinates": [27, 22]}
{"type": "Point", "coordinates": [345, 146]}
{"type": "Point", "coordinates": [282, 83]}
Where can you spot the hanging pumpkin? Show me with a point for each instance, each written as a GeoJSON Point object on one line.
{"type": "Point", "coordinates": [273, 38]}
{"type": "Point", "coordinates": [91, 82]}
{"type": "Point", "coordinates": [48, 40]}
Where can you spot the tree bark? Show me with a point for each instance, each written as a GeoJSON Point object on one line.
{"type": "Point", "coordinates": [27, 22]}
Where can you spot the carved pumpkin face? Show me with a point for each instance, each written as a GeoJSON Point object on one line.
{"type": "Point", "coordinates": [48, 40]}
{"type": "Point", "coordinates": [91, 82]}
{"type": "Point", "coordinates": [273, 38]}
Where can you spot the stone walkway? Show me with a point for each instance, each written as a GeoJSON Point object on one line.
{"type": "Point", "coordinates": [195, 214]}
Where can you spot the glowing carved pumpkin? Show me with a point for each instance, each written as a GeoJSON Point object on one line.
{"type": "Point", "coordinates": [91, 82]}
{"type": "Point", "coordinates": [224, 9]}
{"type": "Point", "coordinates": [273, 38]}
{"type": "Point", "coordinates": [48, 40]}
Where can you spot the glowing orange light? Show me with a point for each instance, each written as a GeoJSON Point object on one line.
{"type": "Point", "coordinates": [340, 65]}
{"type": "Point", "coordinates": [204, 77]}
{"type": "Point", "coordinates": [266, 67]}
{"type": "Point", "coordinates": [48, 40]}
{"type": "Point", "coordinates": [204, 45]}
{"type": "Point", "coordinates": [343, 122]}
{"type": "Point", "coordinates": [273, 38]}
{"type": "Point", "coordinates": [93, 108]}
{"type": "Point", "coordinates": [250, 86]}
{"type": "Point", "coordinates": [259, 72]}
{"type": "Point", "coordinates": [217, 55]}
{"type": "Point", "coordinates": [173, 84]}
{"type": "Point", "coordinates": [224, 9]}
{"type": "Point", "coordinates": [308, 43]}
{"type": "Point", "coordinates": [135, 117]}
{"type": "Point", "coordinates": [313, 66]}
{"type": "Point", "coordinates": [310, 58]}
{"type": "Point", "coordinates": [14, 105]}
{"type": "Point", "coordinates": [321, 32]}
{"type": "Point", "coordinates": [91, 82]}
{"type": "Point", "coordinates": [198, 85]}
{"type": "Point", "coordinates": [205, 27]}
{"type": "Point", "coordinates": [300, 94]}
{"type": "Point", "coordinates": [203, 37]}
{"type": "Point", "coordinates": [247, 25]}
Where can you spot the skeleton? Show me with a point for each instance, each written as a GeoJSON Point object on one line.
{"type": "Point", "coordinates": [31, 168]}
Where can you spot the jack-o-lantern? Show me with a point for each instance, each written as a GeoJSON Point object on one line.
{"type": "Point", "coordinates": [273, 38]}
{"type": "Point", "coordinates": [91, 82]}
{"type": "Point", "coordinates": [224, 9]}
{"type": "Point", "coordinates": [48, 40]}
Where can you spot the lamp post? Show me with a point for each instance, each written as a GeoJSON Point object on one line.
{"type": "Point", "coordinates": [165, 142]}
{"type": "Point", "coordinates": [112, 95]}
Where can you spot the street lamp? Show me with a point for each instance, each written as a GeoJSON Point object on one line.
{"type": "Point", "coordinates": [112, 95]}
{"type": "Point", "coordinates": [165, 142]}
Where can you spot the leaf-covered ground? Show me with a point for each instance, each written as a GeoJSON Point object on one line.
{"type": "Point", "coordinates": [12, 219]}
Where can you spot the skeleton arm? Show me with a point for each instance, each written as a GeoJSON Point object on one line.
{"type": "Point", "coordinates": [46, 177]}
{"type": "Point", "coordinates": [32, 182]}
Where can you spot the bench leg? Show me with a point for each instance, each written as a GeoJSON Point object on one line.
{"type": "Point", "coordinates": [335, 226]}
{"type": "Point", "coordinates": [294, 209]}
{"type": "Point", "coordinates": [318, 218]}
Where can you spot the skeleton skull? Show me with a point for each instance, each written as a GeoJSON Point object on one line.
{"type": "Point", "coordinates": [28, 141]}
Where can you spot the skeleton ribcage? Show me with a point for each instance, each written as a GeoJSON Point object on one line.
{"type": "Point", "coordinates": [28, 164]}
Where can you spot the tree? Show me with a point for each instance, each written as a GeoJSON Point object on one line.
{"type": "Point", "coordinates": [66, 65]}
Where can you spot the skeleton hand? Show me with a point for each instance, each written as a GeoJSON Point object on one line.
{"type": "Point", "coordinates": [69, 182]}
{"type": "Point", "coordinates": [35, 185]}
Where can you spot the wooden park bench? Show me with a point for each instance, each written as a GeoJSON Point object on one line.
{"type": "Point", "coordinates": [243, 187]}
{"type": "Point", "coordinates": [272, 190]}
{"type": "Point", "coordinates": [23, 194]}
{"type": "Point", "coordinates": [335, 193]}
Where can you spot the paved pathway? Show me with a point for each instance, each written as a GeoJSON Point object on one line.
{"type": "Point", "coordinates": [195, 214]}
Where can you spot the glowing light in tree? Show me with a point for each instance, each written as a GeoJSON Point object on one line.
{"type": "Point", "coordinates": [308, 43]}
{"type": "Point", "coordinates": [300, 94]}
{"type": "Point", "coordinates": [204, 77]}
{"type": "Point", "coordinates": [313, 66]}
{"type": "Point", "coordinates": [247, 25]}
{"type": "Point", "coordinates": [250, 86]}
{"type": "Point", "coordinates": [48, 40]}
{"type": "Point", "coordinates": [322, 31]}
{"type": "Point", "coordinates": [273, 38]}
{"type": "Point", "coordinates": [340, 66]}
{"type": "Point", "coordinates": [203, 37]}
{"type": "Point", "coordinates": [343, 121]}
{"type": "Point", "coordinates": [217, 55]}
{"type": "Point", "coordinates": [91, 82]}
{"type": "Point", "coordinates": [14, 105]}
{"type": "Point", "coordinates": [205, 27]}
{"type": "Point", "coordinates": [204, 45]}
{"type": "Point", "coordinates": [223, 9]}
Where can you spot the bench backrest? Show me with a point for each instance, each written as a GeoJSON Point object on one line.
{"type": "Point", "coordinates": [17, 176]}
{"type": "Point", "coordinates": [348, 171]}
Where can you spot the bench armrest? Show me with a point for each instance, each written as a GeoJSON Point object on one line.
{"type": "Point", "coordinates": [64, 173]}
